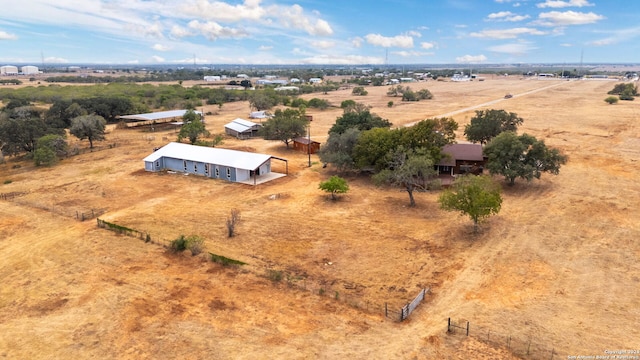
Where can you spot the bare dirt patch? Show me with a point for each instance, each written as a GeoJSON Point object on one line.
{"type": "Point", "coordinates": [558, 264]}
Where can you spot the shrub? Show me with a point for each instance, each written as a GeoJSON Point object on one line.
{"type": "Point", "coordinates": [225, 261]}
{"type": "Point", "coordinates": [359, 90]}
{"type": "Point", "coordinates": [179, 244]}
{"type": "Point", "coordinates": [8, 181]}
{"type": "Point", "coordinates": [611, 100]}
{"type": "Point", "coordinates": [274, 275]}
{"type": "Point", "coordinates": [390, 104]}
{"type": "Point", "coordinates": [232, 221]}
{"type": "Point", "coordinates": [195, 244]}
{"type": "Point", "coordinates": [45, 156]}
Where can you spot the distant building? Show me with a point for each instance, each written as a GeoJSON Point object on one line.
{"type": "Point", "coordinates": [315, 80]}
{"type": "Point", "coordinates": [29, 70]}
{"type": "Point", "coordinates": [242, 76]}
{"type": "Point", "coordinates": [8, 70]}
{"type": "Point", "coordinates": [259, 115]}
{"type": "Point", "coordinates": [212, 78]}
{"type": "Point", "coordinates": [287, 88]}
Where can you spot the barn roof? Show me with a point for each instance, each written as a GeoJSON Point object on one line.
{"type": "Point", "coordinates": [240, 125]}
{"type": "Point", "coordinates": [157, 115]}
{"type": "Point", "coordinates": [462, 152]}
{"type": "Point", "coordinates": [225, 157]}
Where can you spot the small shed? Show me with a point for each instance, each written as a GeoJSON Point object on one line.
{"type": "Point", "coordinates": [259, 115]}
{"type": "Point", "coordinates": [306, 145]}
{"type": "Point", "coordinates": [461, 159]}
{"type": "Point", "coordinates": [242, 129]}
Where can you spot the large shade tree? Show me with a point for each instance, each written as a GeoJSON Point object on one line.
{"type": "Point", "coordinates": [523, 156]}
{"type": "Point", "coordinates": [20, 129]}
{"type": "Point", "coordinates": [476, 196]}
{"type": "Point", "coordinates": [338, 150]}
{"type": "Point", "coordinates": [90, 127]}
{"type": "Point", "coordinates": [285, 126]}
{"type": "Point", "coordinates": [487, 124]}
{"type": "Point", "coordinates": [408, 169]}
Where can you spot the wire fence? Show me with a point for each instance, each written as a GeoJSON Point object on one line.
{"type": "Point", "coordinates": [526, 348]}
{"type": "Point", "coordinates": [78, 214]}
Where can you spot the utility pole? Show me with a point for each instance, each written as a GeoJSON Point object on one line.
{"type": "Point", "coordinates": [309, 118]}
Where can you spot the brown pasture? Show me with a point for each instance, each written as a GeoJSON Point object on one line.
{"type": "Point", "coordinates": [558, 265]}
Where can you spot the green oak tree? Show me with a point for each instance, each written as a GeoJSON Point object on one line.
{"type": "Point", "coordinates": [476, 196]}
{"type": "Point", "coordinates": [523, 156]}
{"type": "Point", "coordinates": [408, 169]}
{"type": "Point", "coordinates": [285, 126]}
{"type": "Point", "coordinates": [487, 124]}
{"type": "Point", "coordinates": [90, 127]}
{"type": "Point", "coordinates": [335, 185]}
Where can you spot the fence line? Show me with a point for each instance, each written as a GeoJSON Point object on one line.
{"type": "Point", "coordinates": [407, 309]}
{"type": "Point", "coordinates": [11, 195]}
{"type": "Point", "coordinates": [527, 349]}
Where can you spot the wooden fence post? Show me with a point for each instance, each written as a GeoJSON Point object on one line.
{"type": "Point", "coordinates": [467, 328]}
{"type": "Point", "coordinates": [386, 310]}
{"type": "Point", "coordinates": [449, 325]}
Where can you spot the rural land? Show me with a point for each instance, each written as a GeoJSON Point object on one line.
{"type": "Point", "coordinates": [554, 274]}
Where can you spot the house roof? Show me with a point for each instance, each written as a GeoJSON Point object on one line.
{"type": "Point", "coordinates": [461, 152]}
{"type": "Point", "coordinates": [241, 125]}
{"type": "Point", "coordinates": [157, 115]}
{"type": "Point", "coordinates": [225, 157]}
{"type": "Point", "coordinates": [304, 140]}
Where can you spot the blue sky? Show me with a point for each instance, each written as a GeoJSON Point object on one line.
{"type": "Point", "coordinates": [319, 31]}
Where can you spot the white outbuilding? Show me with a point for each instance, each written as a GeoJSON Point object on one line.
{"type": "Point", "coordinates": [8, 70]}
{"type": "Point", "coordinates": [29, 70]}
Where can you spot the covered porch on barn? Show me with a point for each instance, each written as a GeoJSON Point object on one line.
{"type": "Point", "coordinates": [256, 177]}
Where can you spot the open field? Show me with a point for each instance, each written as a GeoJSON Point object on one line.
{"type": "Point", "coordinates": [558, 265]}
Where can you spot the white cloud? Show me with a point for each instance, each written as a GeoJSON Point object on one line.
{"type": "Point", "coordinates": [414, 33]}
{"type": "Point", "coordinates": [55, 60]}
{"type": "Point", "coordinates": [179, 32]}
{"type": "Point", "coordinates": [223, 12]}
{"type": "Point", "coordinates": [402, 41]}
{"type": "Point", "coordinates": [293, 17]}
{"type": "Point", "coordinates": [133, 62]}
{"type": "Point", "coordinates": [427, 45]}
{"type": "Point", "coordinates": [265, 48]}
{"type": "Point", "coordinates": [618, 36]}
{"type": "Point", "coordinates": [6, 36]}
{"type": "Point", "coordinates": [357, 42]}
{"type": "Point", "coordinates": [342, 60]}
{"type": "Point", "coordinates": [506, 16]}
{"type": "Point", "coordinates": [471, 59]}
{"type": "Point", "coordinates": [404, 53]}
{"type": "Point", "coordinates": [212, 30]}
{"type": "Point", "coordinates": [323, 44]}
{"type": "Point", "coordinates": [513, 49]}
{"type": "Point", "coordinates": [506, 33]}
{"type": "Point", "coordinates": [563, 4]}
{"type": "Point", "coordinates": [160, 47]}
{"type": "Point", "coordinates": [157, 59]}
{"type": "Point", "coordinates": [557, 18]}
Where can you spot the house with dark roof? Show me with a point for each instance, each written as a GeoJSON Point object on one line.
{"type": "Point", "coordinates": [459, 159]}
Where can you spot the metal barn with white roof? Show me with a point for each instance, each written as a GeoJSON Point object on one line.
{"type": "Point", "coordinates": [215, 163]}
{"type": "Point", "coordinates": [242, 129]}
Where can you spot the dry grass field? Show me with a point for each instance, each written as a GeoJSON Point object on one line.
{"type": "Point", "coordinates": [557, 266]}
